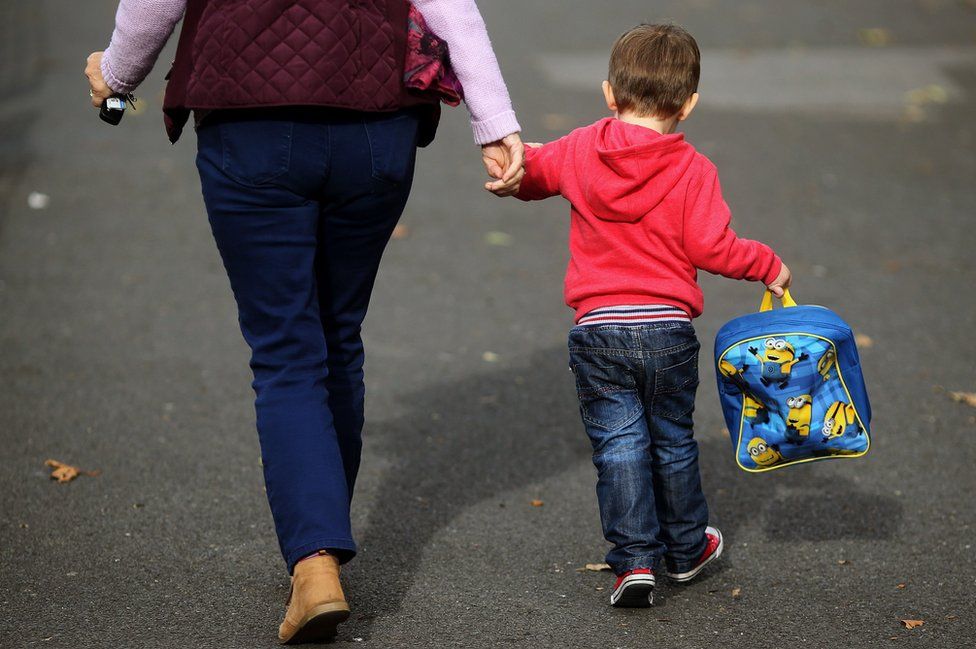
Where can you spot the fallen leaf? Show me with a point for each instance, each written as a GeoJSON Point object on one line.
{"type": "Point", "coordinates": [65, 472]}
{"type": "Point", "coordinates": [599, 587]}
{"type": "Point", "coordinates": [536, 503]}
{"type": "Point", "coordinates": [968, 398]}
{"type": "Point", "coordinates": [863, 342]}
{"type": "Point", "coordinates": [498, 239]}
{"type": "Point", "coordinates": [900, 586]}
{"type": "Point", "coordinates": [557, 122]}
{"type": "Point", "coordinates": [950, 617]}
{"type": "Point", "coordinates": [874, 36]}
{"type": "Point", "coordinates": [401, 231]}
{"type": "Point", "coordinates": [911, 624]}
{"type": "Point", "coordinates": [844, 562]}
{"type": "Point", "coordinates": [596, 567]}
{"type": "Point", "coordinates": [914, 114]}
{"type": "Point", "coordinates": [930, 94]}
{"type": "Point", "coordinates": [736, 592]}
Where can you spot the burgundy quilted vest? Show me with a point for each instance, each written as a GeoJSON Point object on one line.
{"type": "Point", "coordinates": [263, 53]}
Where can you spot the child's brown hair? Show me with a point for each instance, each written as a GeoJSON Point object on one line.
{"type": "Point", "coordinates": [654, 70]}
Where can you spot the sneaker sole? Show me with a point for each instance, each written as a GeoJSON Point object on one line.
{"type": "Point", "coordinates": [320, 623]}
{"type": "Point", "coordinates": [636, 593]}
{"type": "Point", "coordinates": [682, 577]}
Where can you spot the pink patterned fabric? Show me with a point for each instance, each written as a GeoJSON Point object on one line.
{"type": "Point", "coordinates": [428, 69]}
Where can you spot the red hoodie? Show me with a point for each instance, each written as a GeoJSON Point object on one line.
{"type": "Point", "coordinates": [647, 212]}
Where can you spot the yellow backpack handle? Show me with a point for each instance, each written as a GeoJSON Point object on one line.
{"type": "Point", "coordinates": [767, 301]}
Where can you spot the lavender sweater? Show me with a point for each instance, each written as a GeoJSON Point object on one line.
{"type": "Point", "coordinates": [142, 28]}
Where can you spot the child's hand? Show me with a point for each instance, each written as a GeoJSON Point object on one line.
{"type": "Point", "coordinates": [504, 160]}
{"type": "Point", "coordinates": [782, 281]}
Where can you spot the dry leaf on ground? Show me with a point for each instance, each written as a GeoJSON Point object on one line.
{"type": "Point", "coordinates": [900, 586]}
{"type": "Point", "coordinates": [65, 472]}
{"type": "Point", "coordinates": [736, 592]}
{"type": "Point", "coordinates": [863, 342]}
{"type": "Point", "coordinates": [557, 122]}
{"type": "Point", "coordinates": [874, 36]}
{"type": "Point", "coordinates": [537, 503]}
{"type": "Point", "coordinates": [498, 239]}
{"type": "Point", "coordinates": [911, 624]}
{"type": "Point", "coordinates": [968, 398]}
{"type": "Point", "coordinates": [843, 562]}
{"type": "Point", "coordinates": [594, 567]}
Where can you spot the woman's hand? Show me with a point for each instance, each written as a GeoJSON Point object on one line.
{"type": "Point", "coordinates": [99, 89]}
{"type": "Point", "coordinates": [503, 160]}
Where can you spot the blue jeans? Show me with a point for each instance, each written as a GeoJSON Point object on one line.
{"type": "Point", "coordinates": [636, 387]}
{"type": "Point", "coordinates": [302, 204]}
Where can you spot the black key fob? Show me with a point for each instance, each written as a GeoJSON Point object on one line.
{"type": "Point", "coordinates": [113, 108]}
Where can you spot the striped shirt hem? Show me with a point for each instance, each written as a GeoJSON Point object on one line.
{"type": "Point", "coordinates": [633, 314]}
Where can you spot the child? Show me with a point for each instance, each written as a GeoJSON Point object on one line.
{"type": "Point", "coordinates": [647, 212]}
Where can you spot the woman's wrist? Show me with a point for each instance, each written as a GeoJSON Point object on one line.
{"type": "Point", "coordinates": [111, 79]}
{"type": "Point", "coordinates": [495, 127]}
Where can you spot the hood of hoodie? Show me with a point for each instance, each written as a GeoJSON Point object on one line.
{"type": "Point", "coordinates": [637, 168]}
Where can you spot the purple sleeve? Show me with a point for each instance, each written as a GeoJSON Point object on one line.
{"type": "Point", "coordinates": [142, 28]}
{"type": "Point", "coordinates": [460, 24]}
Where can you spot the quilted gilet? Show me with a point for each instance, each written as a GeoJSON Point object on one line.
{"type": "Point", "coordinates": [262, 53]}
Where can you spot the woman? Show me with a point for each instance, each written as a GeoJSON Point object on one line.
{"type": "Point", "coordinates": [306, 148]}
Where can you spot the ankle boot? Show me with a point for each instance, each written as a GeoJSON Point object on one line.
{"type": "Point", "coordinates": [316, 605]}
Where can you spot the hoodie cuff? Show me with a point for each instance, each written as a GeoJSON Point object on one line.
{"type": "Point", "coordinates": [111, 80]}
{"type": "Point", "coordinates": [495, 128]}
{"type": "Point", "coordinates": [773, 270]}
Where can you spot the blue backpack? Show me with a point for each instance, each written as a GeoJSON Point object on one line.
{"type": "Point", "coordinates": [790, 385]}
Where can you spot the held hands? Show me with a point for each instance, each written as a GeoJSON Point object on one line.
{"type": "Point", "coordinates": [99, 89]}
{"type": "Point", "coordinates": [503, 161]}
{"type": "Point", "coordinates": [782, 281]}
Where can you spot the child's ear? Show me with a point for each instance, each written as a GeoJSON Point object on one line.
{"type": "Point", "coordinates": [688, 107]}
{"type": "Point", "coordinates": [608, 96]}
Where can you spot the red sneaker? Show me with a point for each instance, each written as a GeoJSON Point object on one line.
{"type": "Point", "coordinates": [634, 588]}
{"type": "Point", "coordinates": [713, 550]}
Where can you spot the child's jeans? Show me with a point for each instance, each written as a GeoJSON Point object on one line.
{"type": "Point", "coordinates": [636, 387]}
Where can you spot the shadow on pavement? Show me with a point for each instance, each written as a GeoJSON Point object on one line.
{"type": "Point", "coordinates": [477, 438]}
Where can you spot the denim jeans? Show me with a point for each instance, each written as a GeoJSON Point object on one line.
{"type": "Point", "coordinates": [302, 204]}
{"type": "Point", "coordinates": [636, 387]}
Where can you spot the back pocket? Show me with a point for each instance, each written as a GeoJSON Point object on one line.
{"type": "Point", "coordinates": [607, 395]}
{"type": "Point", "coordinates": [392, 147]}
{"type": "Point", "coordinates": [256, 152]}
{"type": "Point", "coordinates": [675, 384]}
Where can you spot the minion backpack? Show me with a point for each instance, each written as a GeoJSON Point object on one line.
{"type": "Point", "coordinates": [790, 385]}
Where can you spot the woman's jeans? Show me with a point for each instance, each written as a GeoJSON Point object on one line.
{"type": "Point", "coordinates": [302, 203]}
{"type": "Point", "coordinates": [636, 387]}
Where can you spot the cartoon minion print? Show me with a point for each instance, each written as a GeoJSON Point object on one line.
{"type": "Point", "coordinates": [777, 361]}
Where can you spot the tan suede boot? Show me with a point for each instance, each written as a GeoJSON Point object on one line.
{"type": "Point", "coordinates": [316, 605]}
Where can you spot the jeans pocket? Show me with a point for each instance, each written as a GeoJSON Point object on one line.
{"type": "Point", "coordinates": [675, 384]}
{"type": "Point", "coordinates": [392, 147]}
{"type": "Point", "coordinates": [255, 152]}
{"type": "Point", "coordinates": [607, 395]}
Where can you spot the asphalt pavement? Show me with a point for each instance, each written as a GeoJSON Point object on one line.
{"type": "Point", "coordinates": [845, 136]}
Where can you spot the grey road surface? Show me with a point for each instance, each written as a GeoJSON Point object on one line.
{"type": "Point", "coordinates": [845, 135]}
